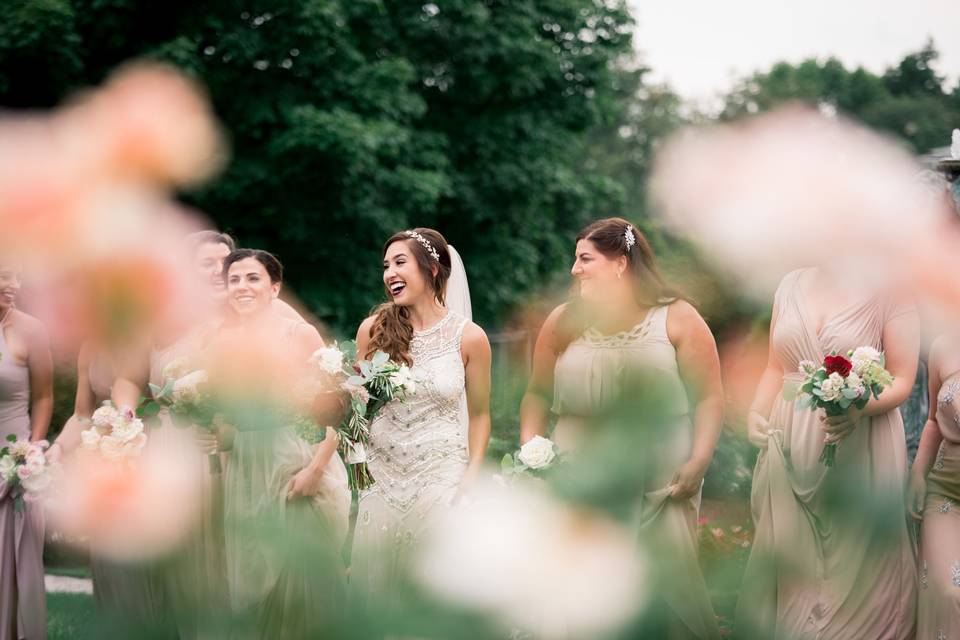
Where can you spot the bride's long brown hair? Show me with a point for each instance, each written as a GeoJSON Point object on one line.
{"type": "Point", "coordinates": [392, 331]}
{"type": "Point", "coordinates": [609, 236]}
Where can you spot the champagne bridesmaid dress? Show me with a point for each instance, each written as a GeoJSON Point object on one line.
{"type": "Point", "coordinates": [588, 377]}
{"type": "Point", "coordinates": [939, 605]}
{"type": "Point", "coordinates": [841, 574]}
{"type": "Point", "coordinates": [23, 603]}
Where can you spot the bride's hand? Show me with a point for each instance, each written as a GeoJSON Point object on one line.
{"type": "Point", "coordinates": [758, 430]}
{"type": "Point", "coordinates": [688, 479]}
{"type": "Point", "coordinates": [305, 484]}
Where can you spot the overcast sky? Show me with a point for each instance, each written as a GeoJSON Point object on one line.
{"type": "Point", "coordinates": [698, 46]}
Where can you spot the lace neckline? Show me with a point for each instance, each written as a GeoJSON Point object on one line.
{"type": "Point", "coordinates": [436, 326]}
{"type": "Point", "coordinates": [593, 337]}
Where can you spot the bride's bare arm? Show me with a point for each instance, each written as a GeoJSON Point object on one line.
{"type": "Point", "coordinates": [475, 350]}
{"type": "Point", "coordinates": [535, 407]}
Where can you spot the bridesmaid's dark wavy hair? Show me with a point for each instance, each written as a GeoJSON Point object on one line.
{"type": "Point", "coordinates": [609, 236]}
{"type": "Point", "coordinates": [392, 331]}
{"type": "Point", "coordinates": [269, 261]}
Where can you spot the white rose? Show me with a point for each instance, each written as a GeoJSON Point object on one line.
{"type": "Point", "coordinates": [127, 430]}
{"type": "Point", "coordinates": [330, 359]}
{"type": "Point", "coordinates": [118, 450]}
{"type": "Point", "coordinates": [831, 387]}
{"type": "Point", "coordinates": [402, 377]}
{"type": "Point", "coordinates": [104, 417]}
{"type": "Point", "coordinates": [537, 453]}
{"type": "Point", "coordinates": [7, 468]}
{"type": "Point", "coordinates": [90, 438]}
{"type": "Point", "coordinates": [187, 388]}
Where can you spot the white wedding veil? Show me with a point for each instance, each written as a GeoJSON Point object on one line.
{"type": "Point", "coordinates": [458, 290]}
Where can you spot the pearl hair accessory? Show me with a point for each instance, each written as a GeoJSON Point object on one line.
{"type": "Point", "coordinates": [629, 237]}
{"type": "Point", "coordinates": [426, 244]}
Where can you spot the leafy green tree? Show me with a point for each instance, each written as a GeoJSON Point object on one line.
{"type": "Point", "coordinates": [352, 119]}
{"type": "Point", "coordinates": [908, 101]}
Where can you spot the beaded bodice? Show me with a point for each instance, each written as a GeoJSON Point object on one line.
{"type": "Point", "coordinates": [948, 411]}
{"type": "Point", "coordinates": [420, 444]}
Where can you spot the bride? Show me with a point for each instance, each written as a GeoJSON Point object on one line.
{"type": "Point", "coordinates": [423, 452]}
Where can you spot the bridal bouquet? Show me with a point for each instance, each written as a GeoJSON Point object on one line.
{"type": "Point", "coordinates": [185, 395]}
{"type": "Point", "coordinates": [24, 469]}
{"type": "Point", "coordinates": [534, 458]}
{"type": "Point", "coordinates": [841, 382]}
{"type": "Point", "coordinates": [371, 384]}
{"type": "Point", "coordinates": [116, 434]}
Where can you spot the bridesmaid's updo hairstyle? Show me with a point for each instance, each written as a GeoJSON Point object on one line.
{"type": "Point", "coordinates": [269, 261]}
{"type": "Point", "coordinates": [615, 237]}
{"type": "Point", "coordinates": [392, 331]}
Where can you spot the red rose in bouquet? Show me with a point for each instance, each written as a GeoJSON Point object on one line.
{"type": "Point", "coordinates": [837, 364]}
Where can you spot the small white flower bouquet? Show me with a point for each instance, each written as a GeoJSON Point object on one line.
{"type": "Point", "coordinates": [186, 396]}
{"type": "Point", "coordinates": [117, 435]}
{"type": "Point", "coordinates": [534, 458]}
{"type": "Point", "coordinates": [841, 382]}
{"type": "Point", "coordinates": [24, 469]}
{"type": "Point", "coordinates": [371, 384]}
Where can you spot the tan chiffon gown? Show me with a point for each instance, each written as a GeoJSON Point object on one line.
{"type": "Point", "coordinates": [23, 604]}
{"type": "Point", "coordinates": [840, 574]}
{"type": "Point", "coordinates": [588, 377]}
{"type": "Point", "coordinates": [939, 606]}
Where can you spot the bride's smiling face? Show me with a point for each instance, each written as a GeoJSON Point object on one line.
{"type": "Point", "coordinates": [597, 275]}
{"type": "Point", "coordinates": [403, 276]}
{"type": "Point", "coordinates": [249, 288]}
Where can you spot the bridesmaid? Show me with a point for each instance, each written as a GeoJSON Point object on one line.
{"type": "Point", "coordinates": [935, 496]}
{"type": "Point", "coordinates": [816, 569]}
{"type": "Point", "coordinates": [625, 317]}
{"type": "Point", "coordinates": [26, 406]}
{"type": "Point", "coordinates": [285, 503]}
{"type": "Point", "coordinates": [127, 594]}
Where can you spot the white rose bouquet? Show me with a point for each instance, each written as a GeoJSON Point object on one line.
{"type": "Point", "coordinates": [185, 395]}
{"type": "Point", "coordinates": [117, 435]}
{"type": "Point", "coordinates": [371, 384]}
{"type": "Point", "coordinates": [24, 469]}
{"type": "Point", "coordinates": [534, 458]}
{"type": "Point", "coordinates": [841, 382]}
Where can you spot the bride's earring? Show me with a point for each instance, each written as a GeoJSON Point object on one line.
{"type": "Point", "coordinates": [619, 275]}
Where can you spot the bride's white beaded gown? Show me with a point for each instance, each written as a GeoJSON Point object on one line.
{"type": "Point", "coordinates": [417, 457]}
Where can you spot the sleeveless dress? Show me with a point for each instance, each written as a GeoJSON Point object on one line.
{"type": "Point", "coordinates": [193, 577]}
{"type": "Point", "coordinates": [23, 603]}
{"type": "Point", "coordinates": [284, 571]}
{"type": "Point", "coordinates": [590, 375]}
{"type": "Point", "coordinates": [939, 605]}
{"type": "Point", "coordinates": [417, 457]}
{"type": "Point", "coordinates": [125, 592]}
{"type": "Point", "coordinates": [848, 577]}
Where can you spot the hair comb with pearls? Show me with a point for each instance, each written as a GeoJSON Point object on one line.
{"type": "Point", "coordinates": [629, 237]}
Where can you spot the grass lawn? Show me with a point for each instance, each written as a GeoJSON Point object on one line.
{"type": "Point", "coordinates": [70, 616]}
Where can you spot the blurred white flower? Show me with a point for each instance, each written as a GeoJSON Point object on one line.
{"type": "Point", "coordinates": [533, 563]}
{"type": "Point", "coordinates": [356, 453]}
{"type": "Point", "coordinates": [357, 391]}
{"type": "Point", "coordinates": [176, 368]}
{"type": "Point", "coordinates": [807, 367]}
{"type": "Point", "coordinates": [90, 438]}
{"type": "Point", "coordinates": [792, 188]}
{"type": "Point", "coordinates": [862, 357]}
{"type": "Point", "coordinates": [7, 468]}
{"type": "Point", "coordinates": [955, 145]}
{"type": "Point", "coordinates": [130, 511]}
{"type": "Point", "coordinates": [330, 359]}
{"type": "Point", "coordinates": [537, 453]}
